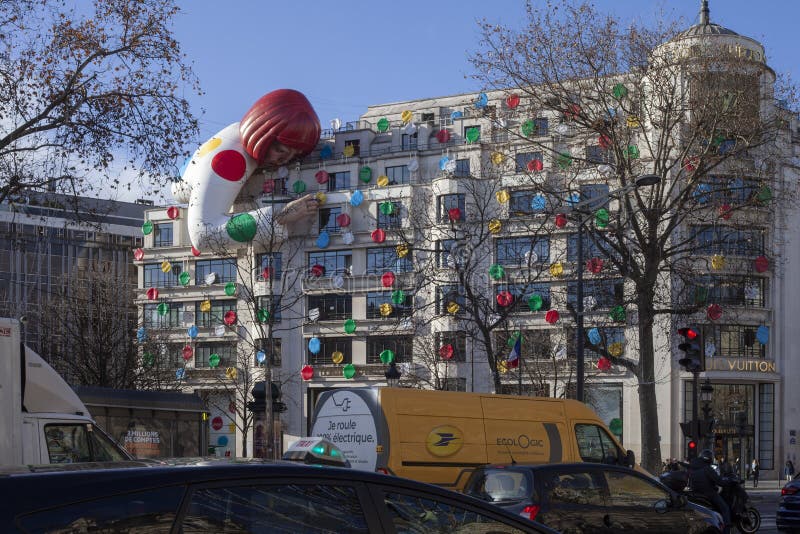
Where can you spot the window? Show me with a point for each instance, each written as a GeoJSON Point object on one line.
{"type": "Point", "coordinates": [427, 118]}
{"type": "Point", "coordinates": [376, 298]}
{"type": "Point", "coordinates": [270, 264]}
{"type": "Point", "coordinates": [449, 254]}
{"type": "Point", "coordinates": [416, 513]}
{"type": "Point", "coordinates": [155, 277]}
{"type": "Point", "coordinates": [327, 220]}
{"type": "Point", "coordinates": [329, 345]}
{"type": "Point", "coordinates": [720, 189]}
{"type": "Point", "coordinates": [390, 220]}
{"type": "Point", "coordinates": [398, 174]}
{"type": "Point", "coordinates": [383, 259]}
{"type": "Point", "coordinates": [542, 126]}
{"type": "Point", "coordinates": [225, 351]}
{"type": "Point", "coordinates": [522, 159]}
{"type": "Point", "coordinates": [456, 340]}
{"type": "Point", "coordinates": [609, 336]}
{"type": "Point", "coordinates": [591, 248]}
{"type": "Point", "coordinates": [447, 202]}
{"type": "Point", "coordinates": [528, 202]}
{"type": "Point", "coordinates": [356, 144]}
{"type": "Point", "coordinates": [400, 345]}
{"type": "Point", "coordinates": [445, 117]}
{"type": "Point", "coordinates": [162, 235]}
{"type": "Point", "coordinates": [766, 425]}
{"type": "Point", "coordinates": [284, 507]}
{"type": "Point", "coordinates": [409, 141]}
{"type": "Point", "coordinates": [338, 180]}
{"type": "Point", "coordinates": [581, 488]}
{"type": "Point", "coordinates": [728, 290]}
{"type": "Point", "coordinates": [271, 348]}
{"type": "Point", "coordinates": [462, 168]}
{"type": "Point", "coordinates": [522, 250]}
{"type": "Point", "coordinates": [331, 307]}
{"type": "Point", "coordinates": [172, 319]}
{"type": "Point", "coordinates": [454, 384]}
{"type": "Point", "coordinates": [599, 192]}
{"type": "Point", "coordinates": [734, 341]}
{"type": "Point", "coordinates": [445, 295]}
{"type": "Point", "coordinates": [607, 292]}
{"type": "Point", "coordinates": [598, 154]}
{"type": "Point", "coordinates": [728, 241]}
{"type": "Point", "coordinates": [153, 510]}
{"type": "Point", "coordinates": [594, 445]}
{"type": "Point", "coordinates": [522, 294]}
{"type": "Point", "coordinates": [334, 261]}
{"type": "Point", "coordinates": [224, 269]}
{"type": "Point", "coordinates": [629, 490]}
{"type": "Point", "coordinates": [271, 303]}
{"type": "Point", "coordinates": [214, 316]}
{"type": "Point", "coordinates": [466, 132]}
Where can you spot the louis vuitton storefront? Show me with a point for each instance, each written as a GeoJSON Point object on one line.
{"type": "Point", "coordinates": [738, 394]}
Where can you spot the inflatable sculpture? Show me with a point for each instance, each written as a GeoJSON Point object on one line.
{"type": "Point", "coordinates": [279, 128]}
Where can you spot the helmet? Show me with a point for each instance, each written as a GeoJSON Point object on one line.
{"type": "Point", "coordinates": [707, 456]}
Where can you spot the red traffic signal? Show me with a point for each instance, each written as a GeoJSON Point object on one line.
{"type": "Point", "coordinates": [692, 445]}
{"type": "Point", "coordinates": [691, 450]}
{"type": "Point", "coordinates": [688, 333]}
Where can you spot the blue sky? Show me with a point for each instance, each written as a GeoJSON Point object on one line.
{"type": "Point", "coordinates": [348, 55]}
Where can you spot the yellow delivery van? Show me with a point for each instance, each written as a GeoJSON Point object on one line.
{"type": "Point", "coordinates": [439, 436]}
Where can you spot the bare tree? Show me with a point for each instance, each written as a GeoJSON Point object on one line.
{"type": "Point", "coordinates": [703, 117]}
{"type": "Point", "coordinates": [88, 92]}
{"type": "Point", "coordinates": [269, 291]}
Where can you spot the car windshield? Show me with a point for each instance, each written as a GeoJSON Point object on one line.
{"type": "Point", "coordinates": [502, 485]}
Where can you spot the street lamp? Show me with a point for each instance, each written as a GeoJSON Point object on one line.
{"type": "Point", "coordinates": [392, 375]}
{"type": "Point", "coordinates": [640, 181]}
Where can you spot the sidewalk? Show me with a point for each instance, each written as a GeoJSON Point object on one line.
{"type": "Point", "coordinates": [767, 488]}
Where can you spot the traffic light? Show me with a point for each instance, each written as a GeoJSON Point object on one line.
{"type": "Point", "coordinates": [691, 450]}
{"type": "Point", "coordinates": [694, 358]}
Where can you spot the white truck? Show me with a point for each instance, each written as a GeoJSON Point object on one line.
{"type": "Point", "coordinates": [42, 420]}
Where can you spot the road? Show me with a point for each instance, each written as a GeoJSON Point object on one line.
{"type": "Point", "coordinates": [765, 499]}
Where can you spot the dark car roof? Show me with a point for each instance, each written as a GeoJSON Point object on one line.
{"type": "Point", "coordinates": [25, 490]}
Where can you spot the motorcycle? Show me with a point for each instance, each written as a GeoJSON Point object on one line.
{"type": "Point", "coordinates": [744, 516]}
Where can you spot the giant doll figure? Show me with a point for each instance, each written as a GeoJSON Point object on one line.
{"type": "Point", "coordinates": [279, 128]}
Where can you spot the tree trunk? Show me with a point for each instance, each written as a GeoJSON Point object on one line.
{"type": "Point", "coordinates": [648, 404]}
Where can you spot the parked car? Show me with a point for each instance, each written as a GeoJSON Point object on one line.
{"type": "Point", "coordinates": [274, 497]}
{"type": "Point", "coordinates": [584, 497]}
{"type": "Point", "coordinates": [788, 514]}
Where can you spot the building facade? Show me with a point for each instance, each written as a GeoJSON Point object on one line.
{"type": "Point", "coordinates": [414, 197]}
{"type": "Point", "coordinates": [48, 242]}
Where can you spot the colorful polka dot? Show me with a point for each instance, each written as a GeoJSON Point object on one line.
{"type": "Point", "coordinates": [241, 228]}
{"type": "Point", "coordinates": [229, 165]}
{"type": "Point", "coordinates": [208, 146]}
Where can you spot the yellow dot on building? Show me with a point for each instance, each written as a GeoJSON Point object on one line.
{"type": "Point", "coordinates": [557, 269]}
{"type": "Point", "coordinates": [502, 196]}
{"type": "Point", "coordinates": [348, 151]}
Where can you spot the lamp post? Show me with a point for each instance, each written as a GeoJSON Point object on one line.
{"type": "Point", "coordinates": [392, 375]}
{"type": "Point", "coordinates": [640, 181]}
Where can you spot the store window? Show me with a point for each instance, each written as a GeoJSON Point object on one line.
{"type": "Point", "coordinates": [766, 426]}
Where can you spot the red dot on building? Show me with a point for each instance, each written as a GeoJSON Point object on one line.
{"type": "Point", "coordinates": [229, 164]}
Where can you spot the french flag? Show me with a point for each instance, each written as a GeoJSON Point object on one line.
{"type": "Point", "coordinates": [513, 359]}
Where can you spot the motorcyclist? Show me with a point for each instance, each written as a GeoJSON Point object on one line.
{"type": "Point", "coordinates": [704, 481]}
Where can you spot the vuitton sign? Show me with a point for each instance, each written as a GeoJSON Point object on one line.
{"type": "Point", "coordinates": [746, 365]}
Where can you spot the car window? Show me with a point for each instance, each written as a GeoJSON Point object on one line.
{"type": "Point", "coordinates": [627, 489]}
{"type": "Point", "coordinates": [417, 514]}
{"type": "Point", "coordinates": [595, 445]}
{"type": "Point", "coordinates": [103, 448]}
{"type": "Point", "coordinates": [67, 443]}
{"type": "Point", "coordinates": [575, 487]}
{"type": "Point", "coordinates": [278, 508]}
{"type": "Point", "coordinates": [502, 485]}
{"type": "Point", "coordinates": [150, 511]}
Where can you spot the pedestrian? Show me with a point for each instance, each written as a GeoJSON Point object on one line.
{"type": "Point", "coordinates": [788, 470]}
{"type": "Point", "coordinates": [754, 469]}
